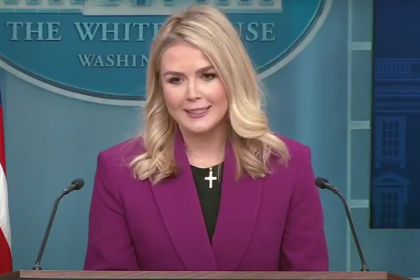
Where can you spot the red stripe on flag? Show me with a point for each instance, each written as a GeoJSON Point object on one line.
{"type": "Point", "coordinates": [5, 255]}
{"type": "Point", "coordinates": [5, 238]}
{"type": "Point", "coordinates": [2, 145]}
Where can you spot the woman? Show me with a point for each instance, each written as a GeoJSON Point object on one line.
{"type": "Point", "coordinates": [207, 186]}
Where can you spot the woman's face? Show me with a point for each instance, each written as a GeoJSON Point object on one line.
{"type": "Point", "coordinates": [193, 92]}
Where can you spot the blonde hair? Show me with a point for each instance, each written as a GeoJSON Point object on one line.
{"type": "Point", "coordinates": [210, 31]}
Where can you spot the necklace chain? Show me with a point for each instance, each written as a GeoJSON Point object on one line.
{"type": "Point", "coordinates": [210, 178]}
{"type": "Point", "coordinates": [199, 158]}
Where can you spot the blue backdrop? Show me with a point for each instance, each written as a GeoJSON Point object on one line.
{"type": "Point", "coordinates": [321, 97]}
{"type": "Point", "coordinates": [395, 196]}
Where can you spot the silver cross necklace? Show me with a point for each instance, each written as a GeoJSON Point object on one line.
{"type": "Point", "coordinates": [210, 178]}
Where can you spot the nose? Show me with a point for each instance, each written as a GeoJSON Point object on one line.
{"type": "Point", "coordinates": [193, 92]}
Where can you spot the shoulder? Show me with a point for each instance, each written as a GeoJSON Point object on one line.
{"type": "Point", "coordinates": [300, 158]}
{"type": "Point", "coordinates": [119, 156]}
{"type": "Point", "coordinates": [297, 150]}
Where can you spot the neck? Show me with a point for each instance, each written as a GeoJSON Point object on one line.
{"type": "Point", "coordinates": [209, 147]}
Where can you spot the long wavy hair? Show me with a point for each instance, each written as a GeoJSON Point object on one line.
{"type": "Point", "coordinates": [210, 31]}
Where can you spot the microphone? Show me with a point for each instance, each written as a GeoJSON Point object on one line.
{"type": "Point", "coordinates": [323, 183]}
{"type": "Point", "coordinates": [75, 185]}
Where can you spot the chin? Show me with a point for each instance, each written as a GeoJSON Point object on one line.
{"type": "Point", "coordinates": [204, 125]}
{"type": "Point", "coordinates": [198, 130]}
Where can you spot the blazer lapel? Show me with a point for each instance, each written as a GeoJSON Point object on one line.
{"type": "Point", "coordinates": [240, 203]}
{"type": "Point", "coordinates": [181, 212]}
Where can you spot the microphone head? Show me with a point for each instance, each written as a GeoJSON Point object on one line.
{"type": "Point", "coordinates": [78, 184]}
{"type": "Point", "coordinates": [320, 182]}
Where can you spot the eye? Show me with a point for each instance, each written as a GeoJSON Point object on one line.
{"type": "Point", "coordinates": [209, 77]}
{"type": "Point", "coordinates": [175, 80]}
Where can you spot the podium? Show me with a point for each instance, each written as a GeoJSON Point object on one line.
{"type": "Point", "coordinates": [133, 275]}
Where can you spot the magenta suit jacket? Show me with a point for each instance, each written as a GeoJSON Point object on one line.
{"type": "Point", "coordinates": [269, 224]}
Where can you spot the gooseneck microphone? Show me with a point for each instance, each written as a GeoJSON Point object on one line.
{"type": "Point", "coordinates": [323, 183]}
{"type": "Point", "coordinates": [76, 185]}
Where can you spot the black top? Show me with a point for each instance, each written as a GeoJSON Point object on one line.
{"type": "Point", "coordinates": [209, 197]}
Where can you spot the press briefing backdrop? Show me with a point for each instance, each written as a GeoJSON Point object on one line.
{"type": "Point", "coordinates": [396, 116]}
{"type": "Point", "coordinates": [73, 83]}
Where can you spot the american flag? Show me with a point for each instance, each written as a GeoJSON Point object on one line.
{"type": "Point", "coordinates": [5, 233]}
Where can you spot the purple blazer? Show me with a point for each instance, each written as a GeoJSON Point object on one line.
{"type": "Point", "coordinates": [270, 224]}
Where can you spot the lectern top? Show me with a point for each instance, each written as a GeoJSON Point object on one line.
{"type": "Point", "coordinates": [133, 275]}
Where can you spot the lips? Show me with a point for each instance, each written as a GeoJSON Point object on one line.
{"type": "Point", "coordinates": [197, 111]}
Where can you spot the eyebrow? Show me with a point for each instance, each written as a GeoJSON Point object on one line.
{"type": "Point", "coordinates": [176, 73]}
